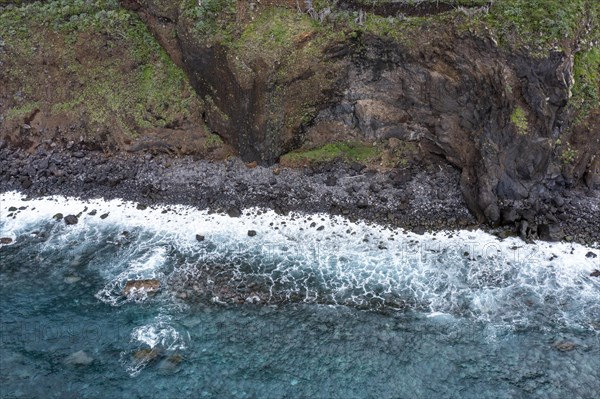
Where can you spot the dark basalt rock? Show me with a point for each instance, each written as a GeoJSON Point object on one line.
{"type": "Point", "coordinates": [550, 232]}
{"type": "Point", "coordinates": [234, 212]}
{"type": "Point", "coordinates": [590, 254]}
{"type": "Point", "coordinates": [199, 237]}
{"type": "Point", "coordinates": [71, 219]}
{"type": "Point", "coordinates": [251, 233]}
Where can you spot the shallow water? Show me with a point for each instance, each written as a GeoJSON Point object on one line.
{"type": "Point", "coordinates": [351, 310]}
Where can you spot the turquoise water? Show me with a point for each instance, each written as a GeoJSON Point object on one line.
{"type": "Point", "coordinates": [350, 311]}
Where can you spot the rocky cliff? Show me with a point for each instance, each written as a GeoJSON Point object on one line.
{"type": "Point", "coordinates": [492, 104]}
{"type": "Point", "coordinates": [507, 92]}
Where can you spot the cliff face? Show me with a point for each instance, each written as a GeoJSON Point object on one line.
{"type": "Point", "coordinates": [514, 107]}
{"type": "Point", "coordinates": [499, 113]}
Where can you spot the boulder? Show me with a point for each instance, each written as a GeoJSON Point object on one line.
{"type": "Point", "coordinates": [550, 232]}
{"type": "Point", "coordinates": [71, 219]}
{"type": "Point", "coordinates": [251, 233]}
{"type": "Point", "coordinates": [6, 240]}
{"type": "Point", "coordinates": [199, 237]}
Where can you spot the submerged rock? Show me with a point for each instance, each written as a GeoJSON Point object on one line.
{"type": "Point", "coordinates": [147, 286]}
{"type": "Point", "coordinates": [79, 358]}
{"type": "Point", "coordinates": [170, 365]}
{"type": "Point", "coordinates": [565, 346]}
{"type": "Point", "coordinates": [147, 355]}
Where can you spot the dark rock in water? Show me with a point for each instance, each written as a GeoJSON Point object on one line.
{"type": "Point", "coordinates": [595, 273]}
{"type": "Point", "coordinates": [58, 216]}
{"type": "Point", "coordinates": [313, 224]}
{"type": "Point", "coordinates": [12, 209]}
{"type": "Point", "coordinates": [251, 233]}
{"type": "Point", "coordinates": [234, 212]}
{"type": "Point", "coordinates": [170, 365]}
{"type": "Point", "coordinates": [321, 228]}
{"type": "Point", "coordinates": [93, 213]}
{"type": "Point", "coordinates": [6, 240]}
{"type": "Point", "coordinates": [550, 232]}
{"type": "Point", "coordinates": [147, 355]}
{"type": "Point", "coordinates": [148, 286]}
{"type": "Point", "coordinates": [590, 254]}
{"type": "Point", "coordinates": [104, 216]}
{"type": "Point", "coordinates": [330, 181]}
{"type": "Point", "coordinates": [79, 358]}
{"type": "Point", "coordinates": [71, 219]}
{"type": "Point", "coordinates": [199, 237]}
{"type": "Point", "coordinates": [141, 207]}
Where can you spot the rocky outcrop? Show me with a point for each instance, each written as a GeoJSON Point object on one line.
{"type": "Point", "coordinates": [496, 114]}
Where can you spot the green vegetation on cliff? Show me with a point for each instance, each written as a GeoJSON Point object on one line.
{"type": "Point", "coordinates": [358, 152]}
{"type": "Point", "coordinates": [91, 60]}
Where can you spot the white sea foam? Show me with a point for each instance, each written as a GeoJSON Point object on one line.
{"type": "Point", "coordinates": [464, 273]}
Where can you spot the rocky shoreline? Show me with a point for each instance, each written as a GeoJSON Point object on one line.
{"type": "Point", "coordinates": [419, 197]}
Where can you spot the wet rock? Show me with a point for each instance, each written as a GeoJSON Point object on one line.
{"type": "Point", "coordinates": [199, 237]}
{"type": "Point", "coordinates": [170, 365]}
{"type": "Point", "coordinates": [320, 228]}
{"type": "Point", "coordinates": [146, 355]}
{"type": "Point", "coordinates": [79, 358]}
{"type": "Point", "coordinates": [6, 240]}
{"type": "Point", "coordinates": [93, 213]}
{"type": "Point", "coordinates": [71, 219]}
{"type": "Point", "coordinates": [420, 230]}
{"type": "Point", "coordinates": [251, 233]}
{"type": "Point", "coordinates": [595, 273]}
{"type": "Point", "coordinates": [565, 346]}
{"type": "Point", "coordinates": [147, 286]}
{"type": "Point", "coordinates": [104, 216]}
{"type": "Point", "coordinates": [12, 209]}
{"type": "Point", "coordinates": [234, 212]}
{"type": "Point", "coordinates": [550, 232]}
{"type": "Point", "coordinates": [590, 254]}
{"type": "Point", "coordinates": [141, 207]}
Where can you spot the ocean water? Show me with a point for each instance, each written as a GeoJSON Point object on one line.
{"type": "Point", "coordinates": [312, 306]}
